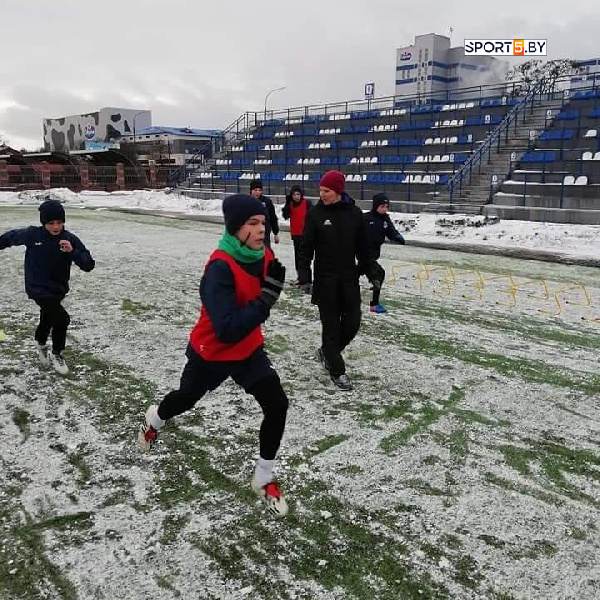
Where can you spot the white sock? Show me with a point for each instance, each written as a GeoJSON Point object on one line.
{"type": "Point", "coordinates": [153, 419]}
{"type": "Point", "coordinates": [263, 471]}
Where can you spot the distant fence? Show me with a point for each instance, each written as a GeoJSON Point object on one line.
{"type": "Point", "coordinates": [45, 175]}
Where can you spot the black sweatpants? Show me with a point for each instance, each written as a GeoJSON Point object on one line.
{"type": "Point", "coordinates": [379, 276]}
{"type": "Point", "coordinates": [255, 374]}
{"type": "Point", "coordinates": [340, 322]}
{"type": "Point", "coordinates": [53, 317]}
{"type": "Point", "coordinates": [297, 239]}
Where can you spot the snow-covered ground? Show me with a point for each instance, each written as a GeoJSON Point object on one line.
{"type": "Point", "coordinates": [569, 240]}
{"type": "Point", "coordinates": [465, 465]}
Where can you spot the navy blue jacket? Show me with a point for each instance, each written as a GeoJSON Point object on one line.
{"type": "Point", "coordinates": [271, 222]}
{"type": "Point", "coordinates": [378, 228]}
{"type": "Point", "coordinates": [47, 268]}
{"type": "Point", "coordinates": [217, 291]}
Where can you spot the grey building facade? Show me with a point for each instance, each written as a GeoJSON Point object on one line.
{"type": "Point", "coordinates": [430, 66]}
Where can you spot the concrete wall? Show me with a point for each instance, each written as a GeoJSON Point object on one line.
{"type": "Point", "coordinates": [70, 133]}
{"type": "Point", "coordinates": [550, 215]}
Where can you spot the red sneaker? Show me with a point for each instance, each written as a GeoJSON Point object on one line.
{"type": "Point", "coordinates": [147, 437]}
{"type": "Point", "coordinates": [273, 497]}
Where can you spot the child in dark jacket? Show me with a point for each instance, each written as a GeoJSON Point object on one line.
{"type": "Point", "coordinates": [50, 251]}
{"type": "Point", "coordinates": [271, 223]}
{"type": "Point", "coordinates": [295, 209]}
{"type": "Point", "coordinates": [242, 281]}
{"type": "Point", "coordinates": [380, 226]}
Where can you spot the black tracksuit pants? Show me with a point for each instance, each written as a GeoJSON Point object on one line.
{"type": "Point", "coordinates": [340, 320]}
{"type": "Point", "coordinates": [380, 276]}
{"type": "Point", "coordinates": [297, 239]}
{"type": "Point", "coordinates": [255, 374]}
{"type": "Point", "coordinates": [53, 317]}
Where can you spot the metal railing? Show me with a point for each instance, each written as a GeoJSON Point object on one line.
{"type": "Point", "coordinates": [240, 128]}
{"type": "Point", "coordinates": [229, 135]}
{"type": "Point", "coordinates": [493, 138]}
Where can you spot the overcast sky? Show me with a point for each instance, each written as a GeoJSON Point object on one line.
{"type": "Point", "coordinates": [202, 63]}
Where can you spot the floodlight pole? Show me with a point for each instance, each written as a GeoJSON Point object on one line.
{"type": "Point", "coordinates": [279, 89]}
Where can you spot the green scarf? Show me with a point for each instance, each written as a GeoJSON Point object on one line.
{"type": "Point", "coordinates": [240, 252]}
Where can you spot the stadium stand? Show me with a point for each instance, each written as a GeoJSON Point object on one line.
{"type": "Point", "coordinates": [559, 175]}
{"type": "Point", "coordinates": [417, 150]}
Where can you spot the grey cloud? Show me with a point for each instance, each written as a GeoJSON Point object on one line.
{"type": "Point", "coordinates": [217, 59]}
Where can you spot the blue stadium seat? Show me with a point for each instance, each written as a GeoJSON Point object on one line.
{"type": "Point", "coordinates": [233, 175]}
{"type": "Point", "coordinates": [587, 95]}
{"type": "Point", "coordinates": [567, 115]}
{"type": "Point", "coordinates": [375, 178]}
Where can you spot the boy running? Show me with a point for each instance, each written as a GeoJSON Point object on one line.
{"type": "Point", "coordinates": [242, 281]}
{"type": "Point", "coordinates": [50, 251]}
{"type": "Point", "coordinates": [380, 226]}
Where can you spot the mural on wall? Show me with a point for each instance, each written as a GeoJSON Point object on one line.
{"type": "Point", "coordinates": [105, 125]}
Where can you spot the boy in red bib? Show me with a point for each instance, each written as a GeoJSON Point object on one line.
{"type": "Point", "coordinates": [295, 209]}
{"type": "Point", "coordinates": [242, 281]}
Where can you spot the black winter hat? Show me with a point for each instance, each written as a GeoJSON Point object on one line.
{"type": "Point", "coordinates": [238, 208]}
{"type": "Point", "coordinates": [296, 188]}
{"type": "Point", "coordinates": [379, 199]}
{"type": "Point", "coordinates": [256, 183]}
{"type": "Point", "coordinates": [51, 210]}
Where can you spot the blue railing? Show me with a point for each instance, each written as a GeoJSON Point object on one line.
{"type": "Point", "coordinates": [493, 138]}
{"type": "Point", "coordinates": [231, 133]}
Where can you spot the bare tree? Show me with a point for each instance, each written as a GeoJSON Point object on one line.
{"type": "Point", "coordinates": [526, 74]}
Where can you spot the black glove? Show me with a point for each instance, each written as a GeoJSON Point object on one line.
{"type": "Point", "coordinates": [273, 283]}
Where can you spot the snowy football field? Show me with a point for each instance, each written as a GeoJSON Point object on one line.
{"type": "Point", "coordinates": [465, 464]}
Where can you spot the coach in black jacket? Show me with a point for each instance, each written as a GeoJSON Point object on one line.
{"type": "Point", "coordinates": [335, 233]}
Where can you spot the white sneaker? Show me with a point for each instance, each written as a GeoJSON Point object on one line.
{"type": "Point", "coordinates": [42, 352]}
{"type": "Point", "coordinates": [147, 435]}
{"type": "Point", "coordinates": [58, 363]}
{"type": "Point", "coordinates": [272, 496]}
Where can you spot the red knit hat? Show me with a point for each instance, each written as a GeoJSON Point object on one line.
{"type": "Point", "coordinates": [334, 180]}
